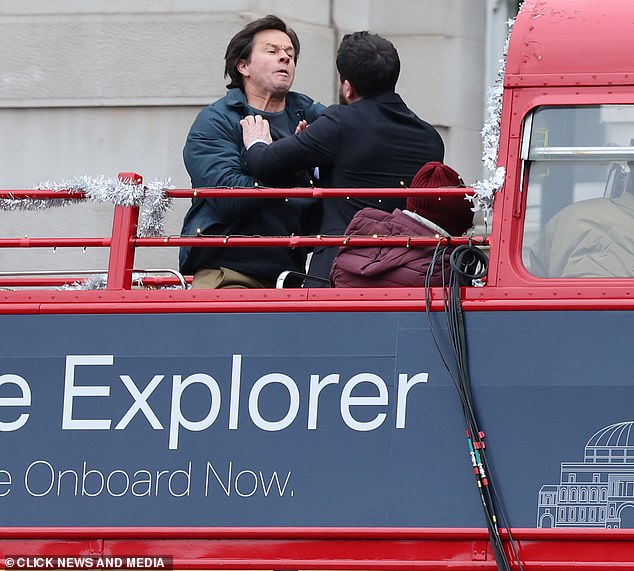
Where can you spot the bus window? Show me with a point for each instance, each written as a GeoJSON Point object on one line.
{"type": "Point", "coordinates": [580, 193]}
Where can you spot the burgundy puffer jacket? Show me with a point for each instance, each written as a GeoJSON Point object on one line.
{"type": "Point", "coordinates": [384, 266]}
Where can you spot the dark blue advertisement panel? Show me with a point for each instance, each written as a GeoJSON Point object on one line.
{"type": "Point", "coordinates": [292, 419]}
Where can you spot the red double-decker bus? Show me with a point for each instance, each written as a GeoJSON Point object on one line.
{"type": "Point", "coordinates": [486, 424]}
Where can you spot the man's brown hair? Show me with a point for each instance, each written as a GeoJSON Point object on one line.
{"type": "Point", "coordinates": [241, 46]}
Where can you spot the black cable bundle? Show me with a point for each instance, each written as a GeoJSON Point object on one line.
{"type": "Point", "coordinates": [468, 263]}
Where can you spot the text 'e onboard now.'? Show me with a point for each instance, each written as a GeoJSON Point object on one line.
{"type": "Point", "coordinates": [74, 392]}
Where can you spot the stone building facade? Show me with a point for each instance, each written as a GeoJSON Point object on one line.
{"type": "Point", "coordinates": [100, 86]}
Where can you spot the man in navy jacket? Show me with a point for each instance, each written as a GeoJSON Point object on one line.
{"type": "Point", "coordinates": [260, 61]}
{"type": "Point", "coordinates": [371, 140]}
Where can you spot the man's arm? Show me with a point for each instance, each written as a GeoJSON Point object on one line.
{"type": "Point", "coordinates": [315, 145]}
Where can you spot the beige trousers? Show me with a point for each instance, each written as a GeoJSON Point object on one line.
{"type": "Point", "coordinates": [219, 278]}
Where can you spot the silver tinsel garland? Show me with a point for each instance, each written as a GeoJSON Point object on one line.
{"type": "Point", "coordinates": [152, 199]}
{"type": "Point", "coordinates": [486, 189]}
{"type": "Point", "coordinates": [154, 205]}
{"type": "Point", "coordinates": [100, 281]}
{"type": "Point", "coordinates": [96, 281]}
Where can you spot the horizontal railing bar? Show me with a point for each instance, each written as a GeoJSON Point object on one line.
{"type": "Point", "coordinates": [52, 272]}
{"type": "Point", "coordinates": [60, 281]}
{"type": "Point", "coordinates": [42, 194]}
{"type": "Point", "coordinates": [244, 241]}
{"type": "Point", "coordinates": [579, 153]}
{"type": "Point", "coordinates": [85, 272]}
{"type": "Point", "coordinates": [316, 192]}
{"type": "Point", "coordinates": [27, 242]}
{"type": "Point", "coordinates": [304, 241]}
{"type": "Point", "coordinates": [146, 279]}
{"type": "Point", "coordinates": [15, 194]}
{"type": "Point", "coordinates": [31, 281]}
{"type": "Point", "coordinates": [35, 278]}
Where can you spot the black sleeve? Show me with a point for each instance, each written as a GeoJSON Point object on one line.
{"type": "Point", "coordinates": [317, 145]}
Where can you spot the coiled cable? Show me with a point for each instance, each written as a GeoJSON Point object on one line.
{"type": "Point", "coordinates": [466, 264]}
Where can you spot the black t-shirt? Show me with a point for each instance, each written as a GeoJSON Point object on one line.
{"type": "Point", "coordinates": [281, 123]}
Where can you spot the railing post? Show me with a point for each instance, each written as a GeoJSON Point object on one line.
{"type": "Point", "coordinates": [124, 226]}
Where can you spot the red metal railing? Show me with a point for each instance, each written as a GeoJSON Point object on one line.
{"type": "Point", "coordinates": [527, 293]}
{"type": "Point", "coordinates": [124, 240]}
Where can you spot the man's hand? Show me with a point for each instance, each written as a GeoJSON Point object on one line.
{"type": "Point", "coordinates": [303, 124]}
{"type": "Point", "coordinates": [255, 129]}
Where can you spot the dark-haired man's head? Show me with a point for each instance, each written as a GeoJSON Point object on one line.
{"type": "Point", "coordinates": [264, 50]}
{"type": "Point", "coordinates": [367, 64]}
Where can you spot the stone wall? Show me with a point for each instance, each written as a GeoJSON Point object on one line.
{"type": "Point", "coordinates": [101, 86]}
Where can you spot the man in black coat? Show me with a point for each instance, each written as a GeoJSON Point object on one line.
{"type": "Point", "coordinates": [371, 140]}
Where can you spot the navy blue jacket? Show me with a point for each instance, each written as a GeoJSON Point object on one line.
{"type": "Point", "coordinates": [212, 156]}
{"type": "Point", "coordinates": [376, 142]}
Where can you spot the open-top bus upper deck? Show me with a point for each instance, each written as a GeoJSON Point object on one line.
{"type": "Point", "coordinates": [333, 428]}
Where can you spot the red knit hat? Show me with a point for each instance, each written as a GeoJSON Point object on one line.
{"type": "Point", "coordinates": [451, 213]}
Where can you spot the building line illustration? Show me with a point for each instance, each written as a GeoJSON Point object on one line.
{"type": "Point", "coordinates": [595, 492]}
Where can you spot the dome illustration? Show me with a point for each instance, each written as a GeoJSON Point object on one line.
{"type": "Point", "coordinates": [612, 443]}
{"type": "Point", "coordinates": [596, 492]}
